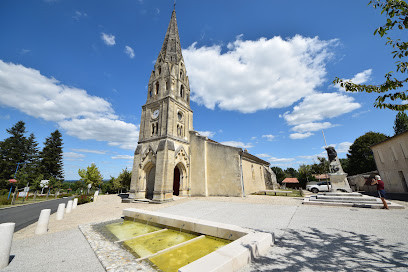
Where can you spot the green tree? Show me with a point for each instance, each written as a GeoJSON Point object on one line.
{"type": "Point", "coordinates": [396, 12]}
{"type": "Point", "coordinates": [124, 178]}
{"type": "Point", "coordinates": [304, 174]}
{"type": "Point", "coordinates": [291, 172]}
{"type": "Point", "coordinates": [51, 157]}
{"type": "Point", "coordinates": [91, 175]}
{"type": "Point", "coordinates": [280, 174]}
{"type": "Point", "coordinates": [400, 123]}
{"type": "Point", "coordinates": [320, 168]}
{"type": "Point", "coordinates": [345, 164]}
{"type": "Point", "coordinates": [13, 150]}
{"type": "Point", "coordinates": [361, 159]}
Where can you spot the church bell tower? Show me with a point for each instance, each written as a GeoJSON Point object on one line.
{"type": "Point", "coordinates": [161, 161]}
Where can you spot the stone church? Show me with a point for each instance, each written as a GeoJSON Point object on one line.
{"type": "Point", "coordinates": [171, 159]}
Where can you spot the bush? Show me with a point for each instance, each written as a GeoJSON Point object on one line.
{"type": "Point", "coordinates": [4, 200]}
{"type": "Point", "coordinates": [82, 199]}
{"type": "Point", "coordinates": [4, 192]}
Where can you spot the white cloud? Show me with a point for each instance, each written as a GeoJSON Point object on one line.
{"type": "Point", "coordinates": [280, 160]}
{"type": "Point", "coordinates": [78, 15]}
{"type": "Point", "coordinates": [89, 151]}
{"type": "Point", "coordinates": [263, 155]}
{"type": "Point", "coordinates": [269, 137]}
{"type": "Point", "coordinates": [317, 107]}
{"type": "Point", "coordinates": [297, 136]}
{"type": "Point", "coordinates": [122, 157]}
{"type": "Point", "coordinates": [129, 51]}
{"type": "Point", "coordinates": [237, 144]}
{"type": "Point", "coordinates": [208, 134]}
{"type": "Point", "coordinates": [108, 39]}
{"type": "Point", "coordinates": [73, 155]}
{"type": "Point", "coordinates": [307, 127]}
{"type": "Point", "coordinates": [343, 147]}
{"type": "Point", "coordinates": [24, 51]}
{"type": "Point", "coordinates": [256, 75]}
{"type": "Point", "coordinates": [80, 114]}
{"type": "Point", "coordinates": [115, 132]}
{"type": "Point", "coordinates": [358, 78]}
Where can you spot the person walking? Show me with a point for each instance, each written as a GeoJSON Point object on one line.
{"type": "Point", "coordinates": [380, 189]}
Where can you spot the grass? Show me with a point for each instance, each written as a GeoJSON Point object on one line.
{"type": "Point", "coordinates": [294, 193]}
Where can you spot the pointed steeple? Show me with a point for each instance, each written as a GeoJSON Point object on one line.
{"type": "Point", "coordinates": [171, 49]}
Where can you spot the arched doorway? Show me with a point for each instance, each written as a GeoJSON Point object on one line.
{"type": "Point", "coordinates": [176, 181]}
{"type": "Point", "coordinates": [150, 176]}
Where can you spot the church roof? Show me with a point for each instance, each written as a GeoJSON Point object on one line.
{"type": "Point", "coordinates": [171, 49]}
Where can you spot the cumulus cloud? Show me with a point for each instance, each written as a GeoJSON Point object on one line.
{"type": "Point", "coordinates": [129, 51]}
{"type": "Point", "coordinates": [280, 160]}
{"type": "Point", "coordinates": [237, 144]}
{"type": "Point", "coordinates": [208, 134]}
{"type": "Point", "coordinates": [297, 136]}
{"type": "Point", "coordinates": [122, 157]}
{"type": "Point", "coordinates": [358, 78]}
{"type": "Point", "coordinates": [343, 147]}
{"type": "Point", "coordinates": [269, 137]}
{"type": "Point", "coordinates": [108, 39]}
{"type": "Point", "coordinates": [263, 155]}
{"type": "Point", "coordinates": [80, 114]}
{"type": "Point", "coordinates": [316, 107]}
{"type": "Point", "coordinates": [256, 75]}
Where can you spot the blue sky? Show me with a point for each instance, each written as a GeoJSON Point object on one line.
{"type": "Point", "coordinates": [260, 74]}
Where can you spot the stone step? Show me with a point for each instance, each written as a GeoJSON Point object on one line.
{"type": "Point", "coordinates": [354, 194]}
{"type": "Point", "coordinates": [311, 201]}
{"type": "Point", "coordinates": [347, 199]}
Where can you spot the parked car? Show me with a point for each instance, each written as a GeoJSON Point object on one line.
{"type": "Point", "coordinates": [319, 187]}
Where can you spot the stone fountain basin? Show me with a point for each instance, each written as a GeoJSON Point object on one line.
{"type": "Point", "coordinates": [246, 245]}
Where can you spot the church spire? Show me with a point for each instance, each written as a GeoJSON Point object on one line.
{"type": "Point", "coordinates": [171, 49]}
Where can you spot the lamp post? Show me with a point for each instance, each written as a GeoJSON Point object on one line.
{"type": "Point", "coordinates": [13, 180]}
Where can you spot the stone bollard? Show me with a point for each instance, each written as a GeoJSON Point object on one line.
{"type": "Point", "coordinates": [60, 211]}
{"type": "Point", "coordinates": [6, 237]}
{"type": "Point", "coordinates": [42, 224]}
{"type": "Point", "coordinates": [74, 205]}
{"type": "Point", "coordinates": [69, 206]}
{"type": "Point", "coordinates": [96, 195]}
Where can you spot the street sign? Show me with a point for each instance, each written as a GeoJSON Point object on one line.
{"type": "Point", "coordinates": [44, 183]}
{"type": "Point", "coordinates": [26, 189]}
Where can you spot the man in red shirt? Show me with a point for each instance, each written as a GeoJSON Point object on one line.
{"type": "Point", "coordinates": [381, 190]}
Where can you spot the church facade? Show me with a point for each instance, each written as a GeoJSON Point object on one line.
{"type": "Point", "coordinates": [171, 159]}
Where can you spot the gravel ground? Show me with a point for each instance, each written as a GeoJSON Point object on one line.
{"type": "Point", "coordinates": [309, 238]}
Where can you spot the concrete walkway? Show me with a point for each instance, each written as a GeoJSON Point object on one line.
{"type": "Point", "coordinates": [308, 238]}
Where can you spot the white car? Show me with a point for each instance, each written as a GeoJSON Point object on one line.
{"type": "Point", "coordinates": [319, 187]}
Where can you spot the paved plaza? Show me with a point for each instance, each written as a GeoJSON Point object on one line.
{"type": "Point", "coordinates": [308, 238]}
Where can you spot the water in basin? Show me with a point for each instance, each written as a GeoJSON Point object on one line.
{"type": "Point", "coordinates": [128, 229]}
{"type": "Point", "coordinates": [172, 260]}
{"type": "Point", "coordinates": [152, 243]}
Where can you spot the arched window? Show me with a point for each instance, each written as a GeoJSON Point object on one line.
{"type": "Point", "coordinates": [167, 85]}
{"type": "Point", "coordinates": [157, 88]}
{"type": "Point", "coordinates": [153, 127]}
{"type": "Point", "coordinates": [181, 74]}
{"type": "Point", "coordinates": [181, 91]}
{"type": "Point", "coordinates": [159, 70]}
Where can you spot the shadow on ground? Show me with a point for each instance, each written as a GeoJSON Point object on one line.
{"type": "Point", "coordinates": [314, 250]}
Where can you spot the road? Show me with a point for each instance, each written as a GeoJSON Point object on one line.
{"type": "Point", "coordinates": [28, 214]}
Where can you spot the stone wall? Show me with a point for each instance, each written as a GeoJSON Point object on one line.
{"type": "Point", "coordinates": [391, 158]}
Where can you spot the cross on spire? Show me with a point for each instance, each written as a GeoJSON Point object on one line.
{"type": "Point", "coordinates": [174, 5]}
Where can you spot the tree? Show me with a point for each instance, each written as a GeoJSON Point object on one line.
{"type": "Point", "coordinates": [51, 157]}
{"type": "Point", "coordinates": [291, 173]}
{"type": "Point", "coordinates": [397, 17]}
{"type": "Point", "coordinates": [361, 159]}
{"type": "Point", "coordinates": [400, 123]}
{"type": "Point", "coordinates": [280, 174]}
{"type": "Point", "coordinates": [304, 175]}
{"type": "Point", "coordinates": [320, 168]}
{"type": "Point", "coordinates": [124, 178]}
{"type": "Point", "coordinates": [91, 175]}
{"type": "Point", "coordinates": [13, 150]}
